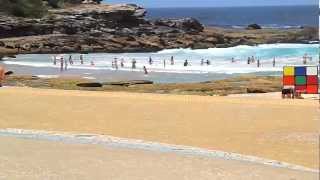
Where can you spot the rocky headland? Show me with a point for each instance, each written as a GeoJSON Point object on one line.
{"type": "Point", "coordinates": [124, 28]}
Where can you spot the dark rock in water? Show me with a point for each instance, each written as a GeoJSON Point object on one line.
{"type": "Point", "coordinates": [188, 24]}
{"type": "Point", "coordinates": [89, 85]}
{"type": "Point", "coordinates": [128, 83]}
{"type": "Point", "coordinates": [8, 73]}
{"type": "Point", "coordinates": [255, 90]}
{"type": "Point", "coordinates": [254, 26]}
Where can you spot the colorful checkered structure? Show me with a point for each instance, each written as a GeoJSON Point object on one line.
{"type": "Point", "coordinates": [302, 79]}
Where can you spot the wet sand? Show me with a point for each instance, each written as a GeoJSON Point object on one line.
{"type": "Point", "coordinates": [54, 160]}
{"type": "Point", "coordinates": [284, 130]}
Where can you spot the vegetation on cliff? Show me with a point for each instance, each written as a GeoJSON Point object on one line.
{"type": "Point", "coordinates": [35, 8]}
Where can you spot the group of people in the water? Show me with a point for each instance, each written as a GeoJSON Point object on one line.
{"type": "Point", "coordinates": [64, 63]}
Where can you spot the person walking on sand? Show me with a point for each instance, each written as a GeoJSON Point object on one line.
{"type": "Point", "coordinates": [61, 63]}
{"type": "Point", "coordinates": [274, 62]}
{"type": "Point", "coordinates": [172, 61]}
{"type": "Point", "coordinates": [134, 62]}
{"type": "Point", "coordinates": [81, 58]}
{"type": "Point", "coordinates": [150, 61]}
{"type": "Point", "coordinates": [145, 70]}
{"type": "Point", "coordinates": [2, 75]}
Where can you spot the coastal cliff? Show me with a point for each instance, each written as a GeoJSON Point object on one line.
{"type": "Point", "coordinates": [123, 28]}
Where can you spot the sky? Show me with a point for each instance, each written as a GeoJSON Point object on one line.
{"type": "Point", "coordinates": [214, 3]}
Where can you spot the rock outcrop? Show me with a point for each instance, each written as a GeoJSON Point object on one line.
{"type": "Point", "coordinates": [254, 26]}
{"type": "Point", "coordinates": [122, 28]}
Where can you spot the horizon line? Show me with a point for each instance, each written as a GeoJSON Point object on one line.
{"type": "Point", "coordinates": [230, 6]}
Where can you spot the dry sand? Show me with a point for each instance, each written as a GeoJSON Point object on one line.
{"type": "Point", "coordinates": [284, 130]}
{"type": "Point", "coordinates": [37, 160]}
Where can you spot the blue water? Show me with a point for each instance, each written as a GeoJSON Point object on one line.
{"type": "Point", "coordinates": [274, 17]}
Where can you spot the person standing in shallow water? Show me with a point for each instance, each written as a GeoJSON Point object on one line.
{"type": "Point", "coordinates": [164, 63]}
{"type": "Point", "coordinates": [134, 62]}
{"type": "Point", "coordinates": [172, 61]}
{"type": "Point", "coordinates": [202, 62]}
{"type": "Point", "coordinates": [258, 63]}
{"type": "Point", "coordinates": [65, 65]}
{"type": "Point", "coordinates": [145, 70]}
{"type": "Point", "coordinates": [122, 63]}
{"type": "Point", "coordinates": [274, 62]}
{"type": "Point", "coordinates": [186, 63]}
{"type": "Point", "coordinates": [70, 60]}
{"type": "Point", "coordinates": [61, 63]}
{"type": "Point", "coordinates": [81, 58]}
{"type": "Point", "coordinates": [150, 61]}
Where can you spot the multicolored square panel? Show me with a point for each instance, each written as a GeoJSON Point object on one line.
{"type": "Point", "coordinates": [303, 79]}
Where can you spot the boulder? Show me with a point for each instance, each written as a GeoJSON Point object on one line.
{"type": "Point", "coordinates": [256, 90]}
{"type": "Point", "coordinates": [187, 24]}
{"type": "Point", "coordinates": [253, 27]}
{"type": "Point", "coordinates": [93, 84]}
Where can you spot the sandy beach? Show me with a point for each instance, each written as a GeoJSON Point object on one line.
{"type": "Point", "coordinates": [283, 130]}
{"type": "Point", "coordinates": [54, 160]}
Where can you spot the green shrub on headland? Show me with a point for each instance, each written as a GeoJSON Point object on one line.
{"type": "Point", "coordinates": [34, 8]}
{"type": "Point", "coordinates": [24, 8]}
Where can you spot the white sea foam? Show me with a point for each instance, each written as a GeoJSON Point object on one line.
{"type": "Point", "coordinates": [220, 58]}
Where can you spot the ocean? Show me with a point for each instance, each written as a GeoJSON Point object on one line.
{"type": "Point", "coordinates": [239, 17]}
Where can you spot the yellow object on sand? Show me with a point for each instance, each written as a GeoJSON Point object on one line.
{"type": "Point", "coordinates": [288, 71]}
